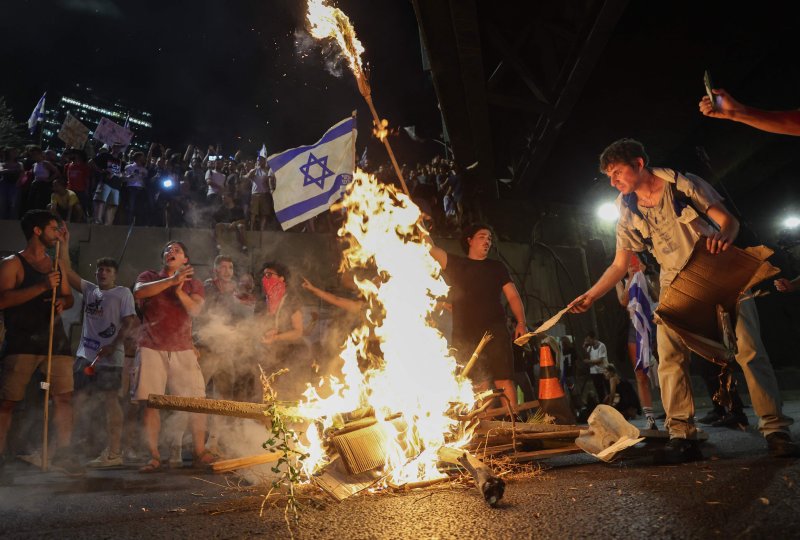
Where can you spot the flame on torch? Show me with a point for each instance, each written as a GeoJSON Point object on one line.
{"type": "Point", "coordinates": [326, 22]}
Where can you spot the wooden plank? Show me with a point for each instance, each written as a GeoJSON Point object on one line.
{"type": "Point", "coordinates": [520, 457]}
{"type": "Point", "coordinates": [488, 413]}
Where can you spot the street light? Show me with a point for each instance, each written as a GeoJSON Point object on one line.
{"type": "Point", "coordinates": [791, 222]}
{"type": "Point", "coordinates": [608, 212]}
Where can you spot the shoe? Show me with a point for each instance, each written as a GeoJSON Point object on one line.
{"type": "Point", "coordinates": [710, 418]}
{"type": "Point", "coordinates": [731, 420]}
{"type": "Point", "coordinates": [679, 451]}
{"type": "Point", "coordinates": [651, 423]}
{"type": "Point", "coordinates": [152, 466]}
{"type": "Point", "coordinates": [780, 445]}
{"type": "Point", "coordinates": [106, 460]}
{"type": "Point", "coordinates": [175, 457]}
{"type": "Point", "coordinates": [64, 461]}
{"type": "Point", "coordinates": [130, 456]}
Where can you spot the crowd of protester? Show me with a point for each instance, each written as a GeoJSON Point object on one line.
{"type": "Point", "coordinates": [186, 189]}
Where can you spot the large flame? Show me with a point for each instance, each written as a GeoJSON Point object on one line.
{"type": "Point", "coordinates": [417, 375]}
{"type": "Point", "coordinates": [329, 22]}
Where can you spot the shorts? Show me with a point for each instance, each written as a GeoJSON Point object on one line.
{"type": "Point", "coordinates": [496, 362]}
{"type": "Point", "coordinates": [105, 377]}
{"type": "Point", "coordinates": [18, 370]}
{"type": "Point", "coordinates": [175, 372]}
{"type": "Point", "coordinates": [107, 194]}
{"type": "Point", "coordinates": [261, 204]}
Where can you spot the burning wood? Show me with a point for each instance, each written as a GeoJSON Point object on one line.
{"type": "Point", "coordinates": [228, 465]}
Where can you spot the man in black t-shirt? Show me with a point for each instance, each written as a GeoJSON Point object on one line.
{"type": "Point", "coordinates": [477, 284]}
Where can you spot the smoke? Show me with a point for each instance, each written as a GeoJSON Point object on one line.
{"type": "Point", "coordinates": [330, 53]}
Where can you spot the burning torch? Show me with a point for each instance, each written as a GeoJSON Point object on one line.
{"type": "Point", "coordinates": [324, 22]}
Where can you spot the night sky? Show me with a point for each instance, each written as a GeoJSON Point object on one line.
{"type": "Point", "coordinates": [214, 71]}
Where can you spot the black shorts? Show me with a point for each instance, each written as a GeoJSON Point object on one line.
{"type": "Point", "coordinates": [104, 378]}
{"type": "Point", "coordinates": [496, 362]}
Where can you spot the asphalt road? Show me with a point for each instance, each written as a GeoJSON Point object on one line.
{"type": "Point", "coordinates": [737, 492]}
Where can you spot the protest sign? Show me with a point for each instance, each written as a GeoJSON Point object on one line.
{"type": "Point", "coordinates": [73, 132]}
{"type": "Point", "coordinates": [109, 133]}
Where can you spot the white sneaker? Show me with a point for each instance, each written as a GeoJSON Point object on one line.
{"type": "Point", "coordinates": [105, 460]}
{"type": "Point", "coordinates": [651, 423]}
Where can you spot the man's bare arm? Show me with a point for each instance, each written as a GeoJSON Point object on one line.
{"type": "Point", "coordinates": [615, 272]}
{"type": "Point", "coordinates": [517, 308]}
{"type": "Point", "coordinates": [727, 108]}
{"type": "Point", "coordinates": [10, 269]}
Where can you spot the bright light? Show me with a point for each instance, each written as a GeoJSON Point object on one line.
{"type": "Point", "coordinates": [791, 222]}
{"type": "Point", "coordinates": [609, 212]}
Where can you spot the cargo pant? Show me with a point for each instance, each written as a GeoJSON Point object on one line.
{"type": "Point", "coordinates": [676, 389]}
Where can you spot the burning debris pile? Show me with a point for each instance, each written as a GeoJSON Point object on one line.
{"type": "Point", "coordinates": [402, 412]}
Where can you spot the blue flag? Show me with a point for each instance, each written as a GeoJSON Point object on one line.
{"type": "Point", "coordinates": [308, 179]}
{"type": "Point", "coordinates": [37, 115]}
{"type": "Point", "coordinates": [640, 308]}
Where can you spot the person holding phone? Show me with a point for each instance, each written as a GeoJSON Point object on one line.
{"type": "Point", "coordinates": [725, 107]}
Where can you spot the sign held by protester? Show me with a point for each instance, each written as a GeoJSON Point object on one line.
{"type": "Point", "coordinates": [110, 133]}
{"type": "Point", "coordinates": [73, 132]}
{"type": "Point", "coordinates": [311, 178]}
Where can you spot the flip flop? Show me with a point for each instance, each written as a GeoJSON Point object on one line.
{"type": "Point", "coordinates": [152, 466]}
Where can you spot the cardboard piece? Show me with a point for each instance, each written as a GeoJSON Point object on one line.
{"type": "Point", "coordinates": [545, 326]}
{"type": "Point", "coordinates": [73, 132]}
{"type": "Point", "coordinates": [111, 133]}
{"type": "Point", "coordinates": [339, 484]}
{"type": "Point", "coordinates": [608, 434]}
{"type": "Point", "coordinates": [689, 305]}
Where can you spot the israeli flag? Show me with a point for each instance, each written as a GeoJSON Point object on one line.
{"type": "Point", "coordinates": [308, 179]}
{"type": "Point", "coordinates": [37, 115]}
{"type": "Point", "coordinates": [263, 151]}
{"type": "Point", "coordinates": [640, 308]}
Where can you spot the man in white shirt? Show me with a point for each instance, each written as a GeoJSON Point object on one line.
{"type": "Point", "coordinates": [215, 180]}
{"type": "Point", "coordinates": [261, 205]}
{"type": "Point", "coordinates": [109, 314]}
{"type": "Point", "coordinates": [136, 175]}
{"type": "Point", "coordinates": [597, 358]}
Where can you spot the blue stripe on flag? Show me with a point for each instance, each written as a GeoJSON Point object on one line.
{"type": "Point", "coordinates": [307, 205]}
{"type": "Point", "coordinates": [279, 160]}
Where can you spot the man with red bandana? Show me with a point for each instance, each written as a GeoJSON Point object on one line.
{"type": "Point", "coordinates": [166, 357]}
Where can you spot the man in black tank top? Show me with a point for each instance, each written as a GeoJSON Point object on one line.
{"type": "Point", "coordinates": [26, 283]}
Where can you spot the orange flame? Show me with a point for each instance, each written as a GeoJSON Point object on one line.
{"type": "Point", "coordinates": [417, 375]}
{"type": "Point", "coordinates": [329, 22]}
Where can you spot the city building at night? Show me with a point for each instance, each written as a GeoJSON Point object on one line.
{"type": "Point", "coordinates": [89, 107]}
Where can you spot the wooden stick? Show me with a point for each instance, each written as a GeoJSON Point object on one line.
{"type": "Point", "coordinates": [49, 361]}
{"type": "Point", "coordinates": [487, 337]}
{"type": "Point", "coordinates": [239, 409]}
{"type": "Point", "coordinates": [227, 465]}
{"type": "Point", "coordinates": [550, 452]}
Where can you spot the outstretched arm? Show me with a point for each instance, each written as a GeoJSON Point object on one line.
{"type": "Point", "coordinates": [614, 273]}
{"type": "Point", "coordinates": [727, 108]}
{"type": "Point", "coordinates": [353, 306]}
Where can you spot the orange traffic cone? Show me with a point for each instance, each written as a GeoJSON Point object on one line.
{"type": "Point", "coordinates": [552, 399]}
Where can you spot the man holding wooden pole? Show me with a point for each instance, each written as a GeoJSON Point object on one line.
{"type": "Point", "coordinates": [27, 283]}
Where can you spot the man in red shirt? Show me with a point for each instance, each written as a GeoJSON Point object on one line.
{"type": "Point", "coordinates": [79, 177]}
{"type": "Point", "coordinates": [166, 357]}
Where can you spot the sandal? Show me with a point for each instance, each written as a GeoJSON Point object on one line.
{"type": "Point", "coordinates": [152, 466]}
{"type": "Point", "coordinates": [205, 459]}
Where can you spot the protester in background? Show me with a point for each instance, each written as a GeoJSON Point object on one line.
{"type": "Point", "coordinates": [167, 361]}
{"type": "Point", "coordinates": [261, 205]}
{"type": "Point", "coordinates": [64, 202]}
{"type": "Point", "coordinates": [106, 196]}
{"type": "Point", "coordinates": [596, 356]}
{"type": "Point", "coordinates": [10, 173]}
{"type": "Point", "coordinates": [727, 108]}
{"type": "Point", "coordinates": [27, 280]}
{"type": "Point", "coordinates": [136, 175]}
{"type": "Point", "coordinates": [661, 211]}
{"type": "Point", "coordinates": [633, 294]}
{"type": "Point", "coordinates": [621, 395]}
{"type": "Point", "coordinates": [44, 172]}
{"type": "Point", "coordinates": [108, 315]}
{"type": "Point", "coordinates": [229, 217]}
{"type": "Point", "coordinates": [215, 180]}
{"type": "Point", "coordinates": [79, 178]}
{"type": "Point", "coordinates": [477, 284]}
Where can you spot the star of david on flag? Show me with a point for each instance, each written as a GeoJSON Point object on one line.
{"type": "Point", "coordinates": [308, 179]}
